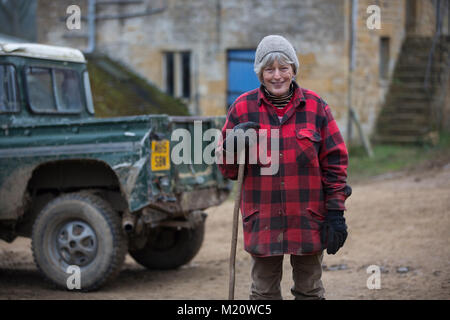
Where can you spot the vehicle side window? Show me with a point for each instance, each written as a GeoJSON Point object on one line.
{"type": "Point", "coordinates": [54, 90]}
{"type": "Point", "coordinates": [68, 91]}
{"type": "Point", "coordinates": [9, 90]}
{"type": "Point", "coordinates": [40, 89]}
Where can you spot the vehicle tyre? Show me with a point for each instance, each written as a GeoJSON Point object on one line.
{"type": "Point", "coordinates": [79, 229]}
{"type": "Point", "coordinates": [169, 248]}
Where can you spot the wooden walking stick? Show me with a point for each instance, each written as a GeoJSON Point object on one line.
{"type": "Point", "coordinates": [234, 236]}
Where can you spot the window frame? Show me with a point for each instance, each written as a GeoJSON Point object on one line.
{"type": "Point", "coordinates": [384, 57]}
{"type": "Point", "coordinates": [16, 80]}
{"type": "Point", "coordinates": [53, 82]}
{"type": "Point", "coordinates": [178, 76]}
{"type": "Point", "coordinates": [188, 76]}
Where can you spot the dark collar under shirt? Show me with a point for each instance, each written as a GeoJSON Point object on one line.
{"type": "Point", "coordinates": [280, 102]}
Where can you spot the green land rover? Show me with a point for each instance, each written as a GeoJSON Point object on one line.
{"type": "Point", "coordinates": [88, 190]}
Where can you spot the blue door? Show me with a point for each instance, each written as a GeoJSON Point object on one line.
{"type": "Point", "coordinates": [241, 77]}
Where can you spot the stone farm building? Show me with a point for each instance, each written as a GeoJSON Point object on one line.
{"type": "Point", "coordinates": [202, 50]}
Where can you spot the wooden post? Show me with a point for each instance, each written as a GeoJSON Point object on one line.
{"type": "Point", "coordinates": [234, 235]}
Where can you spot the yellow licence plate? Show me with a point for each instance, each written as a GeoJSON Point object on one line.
{"type": "Point", "coordinates": [160, 155]}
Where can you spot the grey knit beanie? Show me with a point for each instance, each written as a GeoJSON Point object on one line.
{"type": "Point", "coordinates": [275, 43]}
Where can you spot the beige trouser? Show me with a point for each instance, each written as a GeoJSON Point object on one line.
{"type": "Point", "coordinates": [306, 273]}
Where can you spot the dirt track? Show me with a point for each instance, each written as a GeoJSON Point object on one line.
{"type": "Point", "coordinates": [395, 221]}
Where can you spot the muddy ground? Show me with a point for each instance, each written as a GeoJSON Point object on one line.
{"type": "Point", "coordinates": [399, 222]}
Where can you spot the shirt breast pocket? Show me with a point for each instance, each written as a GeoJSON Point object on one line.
{"type": "Point", "coordinates": [308, 146]}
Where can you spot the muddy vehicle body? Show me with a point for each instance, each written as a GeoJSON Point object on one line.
{"type": "Point", "coordinates": [89, 190]}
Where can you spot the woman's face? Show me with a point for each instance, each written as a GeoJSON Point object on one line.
{"type": "Point", "coordinates": [277, 78]}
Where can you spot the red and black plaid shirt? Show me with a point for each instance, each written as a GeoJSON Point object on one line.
{"type": "Point", "coordinates": [283, 213]}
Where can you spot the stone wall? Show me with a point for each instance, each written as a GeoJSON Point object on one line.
{"type": "Point", "coordinates": [319, 30]}
{"type": "Point", "coordinates": [369, 88]}
{"type": "Point", "coordinates": [424, 18]}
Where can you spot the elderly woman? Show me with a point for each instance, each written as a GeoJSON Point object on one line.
{"type": "Point", "coordinates": [299, 209]}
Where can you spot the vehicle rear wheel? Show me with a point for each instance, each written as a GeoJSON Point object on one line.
{"type": "Point", "coordinates": [79, 229]}
{"type": "Point", "coordinates": [169, 248]}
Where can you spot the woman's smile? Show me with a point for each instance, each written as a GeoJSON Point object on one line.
{"type": "Point", "coordinates": [277, 78]}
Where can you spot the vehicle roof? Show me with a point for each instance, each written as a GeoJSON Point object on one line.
{"type": "Point", "coordinates": [42, 51]}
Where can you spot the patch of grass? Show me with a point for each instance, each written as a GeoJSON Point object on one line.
{"type": "Point", "coordinates": [391, 158]}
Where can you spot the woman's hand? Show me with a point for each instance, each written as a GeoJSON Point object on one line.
{"type": "Point", "coordinates": [241, 135]}
{"type": "Point", "coordinates": [334, 230]}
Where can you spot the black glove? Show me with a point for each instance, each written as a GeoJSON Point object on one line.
{"type": "Point", "coordinates": [243, 126]}
{"type": "Point", "coordinates": [334, 231]}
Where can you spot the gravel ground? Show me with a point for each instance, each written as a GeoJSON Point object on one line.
{"type": "Point", "coordinates": [398, 222]}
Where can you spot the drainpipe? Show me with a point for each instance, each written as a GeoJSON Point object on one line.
{"type": "Point", "coordinates": [352, 49]}
{"type": "Point", "coordinates": [91, 27]}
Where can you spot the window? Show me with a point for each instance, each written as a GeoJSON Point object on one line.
{"type": "Point", "coordinates": [186, 74]}
{"type": "Point", "coordinates": [40, 89]}
{"type": "Point", "coordinates": [68, 93]}
{"type": "Point", "coordinates": [384, 57]}
{"type": "Point", "coordinates": [411, 11]}
{"type": "Point", "coordinates": [177, 70]}
{"type": "Point", "coordinates": [9, 90]}
{"type": "Point", "coordinates": [170, 70]}
{"type": "Point", "coordinates": [53, 90]}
